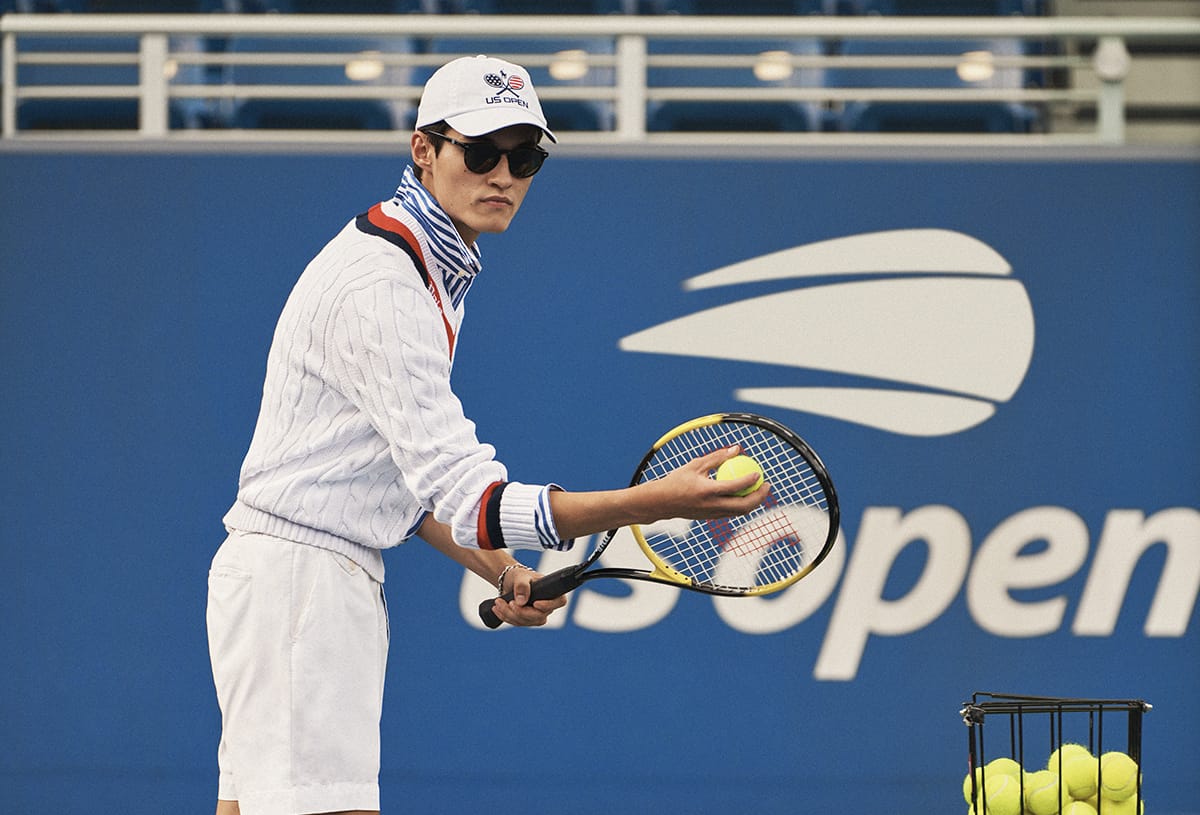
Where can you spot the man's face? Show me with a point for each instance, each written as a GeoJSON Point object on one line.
{"type": "Point", "coordinates": [475, 202]}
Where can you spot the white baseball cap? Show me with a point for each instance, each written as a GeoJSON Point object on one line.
{"type": "Point", "coordinates": [479, 95]}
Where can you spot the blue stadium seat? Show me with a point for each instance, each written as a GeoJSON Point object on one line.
{"type": "Point", "coordinates": [533, 6]}
{"type": "Point", "coordinates": [330, 6]}
{"type": "Point", "coordinates": [43, 6]}
{"type": "Point", "coordinates": [933, 117]}
{"type": "Point", "coordinates": [97, 114]}
{"type": "Point", "coordinates": [151, 6]}
{"type": "Point", "coordinates": [719, 116]}
{"type": "Point", "coordinates": [784, 8]}
{"type": "Point", "coordinates": [320, 112]}
{"type": "Point", "coordinates": [949, 8]}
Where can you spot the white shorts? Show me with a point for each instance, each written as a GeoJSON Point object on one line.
{"type": "Point", "coordinates": [298, 638]}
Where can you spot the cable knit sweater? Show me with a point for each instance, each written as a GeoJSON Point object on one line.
{"type": "Point", "coordinates": [359, 434]}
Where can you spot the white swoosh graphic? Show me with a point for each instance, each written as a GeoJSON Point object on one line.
{"type": "Point", "coordinates": [909, 413]}
{"type": "Point", "coordinates": [900, 251]}
{"type": "Point", "coordinates": [929, 308]}
{"type": "Point", "coordinates": [970, 336]}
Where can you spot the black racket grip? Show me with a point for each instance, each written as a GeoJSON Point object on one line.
{"type": "Point", "coordinates": [552, 585]}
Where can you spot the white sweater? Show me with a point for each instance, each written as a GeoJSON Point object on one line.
{"type": "Point", "coordinates": [360, 434]}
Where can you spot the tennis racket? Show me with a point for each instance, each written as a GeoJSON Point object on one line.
{"type": "Point", "coordinates": [770, 548]}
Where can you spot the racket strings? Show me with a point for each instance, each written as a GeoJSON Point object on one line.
{"type": "Point", "coordinates": [771, 545]}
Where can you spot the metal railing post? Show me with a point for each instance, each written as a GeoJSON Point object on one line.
{"type": "Point", "coordinates": [1111, 63]}
{"type": "Point", "coordinates": [8, 92]}
{"type": "Point", "coordinates": [631, 87]}
{"type": "Point", "coordinates": [152, 84]}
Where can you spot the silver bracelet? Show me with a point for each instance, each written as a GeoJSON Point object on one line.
{"type": "Point", "coordinates": [504, 573]}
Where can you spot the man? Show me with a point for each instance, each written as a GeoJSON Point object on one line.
{"type": "Point", "coordinates": [361, 444]}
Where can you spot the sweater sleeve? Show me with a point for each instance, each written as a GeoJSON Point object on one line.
{"type": "Point", "coordinates": [391, 357]}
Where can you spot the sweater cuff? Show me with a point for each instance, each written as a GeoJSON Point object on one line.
{"type": "Point", "coordinates": [521, 513]}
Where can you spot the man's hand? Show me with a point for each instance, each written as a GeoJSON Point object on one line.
{"type": "Point", "coordinates": [517, 612]}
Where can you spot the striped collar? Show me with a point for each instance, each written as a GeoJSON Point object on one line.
{"type": "Point", "coordinates": [456, 262]}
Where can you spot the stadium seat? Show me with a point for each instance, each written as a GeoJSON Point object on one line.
{"type": "Point", "coordinates": [933, 117]}
{"type": "Point", "coordinates": [771, 70]}
{"type": "Point", "coordinates": [106, 114]}
{"type": "Point", "coordinates": [151, 6]}
{"type": "Point", "coordinates": [951, 8]}
{"type": "Point", "coordinates": [533, 6]}
{"type": "Point", "coordinates": [41, 6]}
{"type": "Point", "coordinates": [733, 7]}
{"type": "Point", "coordinates": [330, 6]}
{"type": "Point", "coordinates": [320, 112]}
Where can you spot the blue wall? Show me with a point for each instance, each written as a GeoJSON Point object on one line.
{"type": "Point", "coordinates": [139, 295]}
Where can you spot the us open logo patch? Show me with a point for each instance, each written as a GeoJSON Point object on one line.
{"type": "Point", "coordinates": [503, 82]}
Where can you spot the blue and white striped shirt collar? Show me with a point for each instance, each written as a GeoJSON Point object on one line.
{"type": "Point", "coordinates": [457, 262]}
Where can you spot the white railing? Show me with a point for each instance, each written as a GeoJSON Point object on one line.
{"type": "Point", "coordinates": [621, 55]}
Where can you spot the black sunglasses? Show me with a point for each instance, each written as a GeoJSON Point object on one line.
{"type": "Point", "coordinates": [483, 156]}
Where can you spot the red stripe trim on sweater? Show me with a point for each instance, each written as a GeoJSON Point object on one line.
{"type": "Point", "coordinates": [389, 224]}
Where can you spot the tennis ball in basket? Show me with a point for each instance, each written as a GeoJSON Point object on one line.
{"type": "Point", "coordinates": [1079, 775]}
{"type": "Point", "coordinates": [1003, 766]}
{"type": "Point", "coordinates": [1066, 751]}
{"type": "Point", "coordinates": [1127, 807]}
{"type": "Point", "coordinates": [737, 467]}
{"type": "Point", "coordinates": [967, 783]}
{"type": "Point", "coordinates": [994, 770]}
{"type": "Point", "coordinates": [1118, 776]}
{"type": "Point", "coordinates": [1044, 793]}
{"type": "Point", "coordinates": [1003, 794]}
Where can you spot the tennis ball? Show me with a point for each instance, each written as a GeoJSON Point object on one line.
{"type": "Point", "coordinates": [1079, 808]}
{"type": "Point", "coordinates": [1118, 776]}
{"type": "Point", "coordinates": [1127, 807]}
{"type": "Point", "coordinates": [1066, 751]}
{"type": "Point", "coordinates": [1079, 775]}
{"type": "Point", "coordinates": [1003, 794]}
{"type": "Point", "coordinates": [1003, 766]}
{"type": "Point", "coordinates": [1044, 793]}
{"type": "Point", "coordinates": [967, 783]}
{"type": "Point", "coordinates": [737, 467]}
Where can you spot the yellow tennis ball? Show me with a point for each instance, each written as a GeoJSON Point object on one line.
{"type": "Point", "coordinates": [1118, 776]}
{"type": "Point", "coordinates": [1003, 766]}
{"type": "Point", "coordinates": [1079, 808]}
{"type": "Point", "coordinates": [1065, 751]}
{"type": "Point", "coordinates": [1003, 794]}
{"type": "Point", "coordinates": [737, 467]}
{"type": "Point", "coordinates": [1044, 793]}
{"type": "Point", "coordinates": [967, 783]}
{"type": "Point", "coordinates": [1127, 807]}
{"type": "Point", "coordinates": [1079, 775]}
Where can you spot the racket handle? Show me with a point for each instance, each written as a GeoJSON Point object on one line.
{"type": "Point", "coordinates": [552, 585]}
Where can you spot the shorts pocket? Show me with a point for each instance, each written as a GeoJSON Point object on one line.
{"type": "Point", "coordinates": [348, 566]}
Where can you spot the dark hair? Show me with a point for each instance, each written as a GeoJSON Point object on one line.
{"type": "Point", "coordinates": [437, 127]}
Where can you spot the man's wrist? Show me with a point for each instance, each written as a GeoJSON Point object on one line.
{"type": "Point", "coordinates": [504, 574]}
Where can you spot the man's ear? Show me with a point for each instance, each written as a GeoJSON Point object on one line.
{"type": "Point", "coordinates": [422, 150]}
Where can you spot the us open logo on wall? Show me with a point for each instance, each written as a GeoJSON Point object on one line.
{"type": "Point", "coordinates": [923, 332]}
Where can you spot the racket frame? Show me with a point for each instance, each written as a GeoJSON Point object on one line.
{"type": "Point", "coordinates": [568, 578]}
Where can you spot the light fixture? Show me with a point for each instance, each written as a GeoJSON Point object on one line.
{"type": "Point", "coordinates": [365, 67]}
{"type": "Point", "coordinates": [773, 66]}
{"type": "Point", "coordinates": [976, 66]}
{"type": "Point", "coordinates": [568, 65]}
